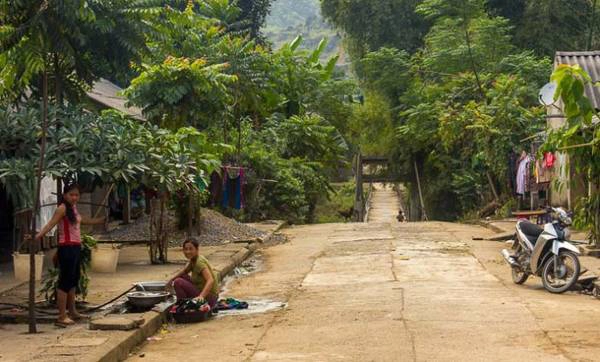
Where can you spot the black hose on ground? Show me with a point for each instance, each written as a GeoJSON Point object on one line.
{"type": "Point", "coordinates": [93, 309]}
{"type": "Point", "coordinates": [25, 308]}
{"type": "Point", "coordinates": [86, 310]}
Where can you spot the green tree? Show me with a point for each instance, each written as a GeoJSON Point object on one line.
{"type": "Point", "coordinates": [370, 25]}
{"type": "Point", "coordinates": [551, 25]}
{"type": "Point", "coordinates": [547, 26]}
{"type": "Point", "coordinates": [253, 15]}
{"type": "Point", "coordinates": [371, 126]}
{"type": "Point", "coordinates": [42, 38]}
{"type": "Point", "coordinates": [463, 38]}
{"type": "Point", "coordinates": [468, 104]}
{"type": "Point", "coordinates": [386, 71]}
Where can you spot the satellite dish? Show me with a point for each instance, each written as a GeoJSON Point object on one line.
{"type": "Point", "coordinates": [546, 95]}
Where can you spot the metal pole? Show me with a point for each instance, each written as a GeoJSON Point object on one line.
{"type": "Point", "coordinates": [424, 216]}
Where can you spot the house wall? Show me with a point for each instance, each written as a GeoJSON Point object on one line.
{"type": "Point", "coordinates": [567, 185]}
{"type": "Point", "coordinates": [95, 198]}
{"type": "Point", "coordinates": [560, 188]}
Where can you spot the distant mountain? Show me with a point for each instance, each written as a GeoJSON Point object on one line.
{"type": "Point", "coordinates": [290, 18]}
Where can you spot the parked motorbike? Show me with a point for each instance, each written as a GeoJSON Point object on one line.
{"type": "Point", "coordinates": [545, 252]}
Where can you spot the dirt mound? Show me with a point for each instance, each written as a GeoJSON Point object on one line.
{"type": "Point", "coordinates": [214, 229]}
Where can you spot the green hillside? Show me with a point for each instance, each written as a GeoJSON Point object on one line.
{"type": "Point", "coordinates": [290, 18]}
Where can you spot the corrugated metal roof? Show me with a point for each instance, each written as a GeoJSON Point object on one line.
{"type": "Point", "coordinates": [588, 61]}
{"type": "Point", "coordinates": [107, 94]}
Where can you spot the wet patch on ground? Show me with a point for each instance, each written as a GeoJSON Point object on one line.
{"type": "Point", "coordinates": [255, 306]}
{"type": "Point", "coordinates": [250, 266]}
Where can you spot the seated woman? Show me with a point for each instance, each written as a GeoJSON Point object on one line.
{"type": "Point", "coordinates": [203, 284]}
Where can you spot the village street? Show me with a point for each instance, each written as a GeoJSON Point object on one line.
{"type": "Point", "coordinates": [389, 291]}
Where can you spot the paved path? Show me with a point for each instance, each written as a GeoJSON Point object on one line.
{"type": "Point", "coordinates": [389, 292]}
{"type": "Point", "coordinates": [384, 204]}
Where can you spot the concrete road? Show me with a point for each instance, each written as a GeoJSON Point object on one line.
{"type": "Point", "coordinates": [385, 291]}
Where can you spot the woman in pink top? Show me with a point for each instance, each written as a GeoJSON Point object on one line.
{"type": "Point", "coordinates": [69, 252]}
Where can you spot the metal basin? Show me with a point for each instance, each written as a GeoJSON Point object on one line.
{"type": "Point", "coordinates": [154, 286]}
{"type": "Point", "coordinates": [146, 299]}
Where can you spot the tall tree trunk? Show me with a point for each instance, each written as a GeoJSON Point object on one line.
{"type": "Point", "coordinates": [471, 57]}
{"type": "Point", "coordinates": [592, 24]}
{"type": "Point", "coordinates": [198, 215]}
{"type": "Point", "coordinates": [190, 215]}
{"type": "Point", "coordinates": [162, 247]}
{"type": "Point", "coordinates": [492, 187]}
{"type": "Point", "coordinates": [36, 206]}
{"type": "Point", "coordinates": [58, 99]}
{"type": "Point", "coordinates": [154, 234]}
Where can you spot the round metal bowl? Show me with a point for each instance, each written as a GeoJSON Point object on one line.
{"type": "Point", "coordinates": [154, 286]}
{"type": "Point", "coordinates": [146, 299]}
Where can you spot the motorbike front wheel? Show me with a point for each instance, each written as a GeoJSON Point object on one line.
{"type": "Point", "coordinates": [562, 279]}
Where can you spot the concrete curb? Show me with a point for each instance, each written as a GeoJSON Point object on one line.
{"type": "Point", "coordinates": [270, 234]}
{"type": "Point", "coordinates": [590, 251]}
{"type": "Point", "coordinates": [120, 349]}
{"type": "Point", "coordinates": [488, 225]}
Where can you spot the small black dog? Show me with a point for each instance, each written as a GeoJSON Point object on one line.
{"type": "Point", "coordinates": [346, 214]}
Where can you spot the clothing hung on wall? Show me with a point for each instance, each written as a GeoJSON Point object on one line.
{"type": "Point", "coordinates": [233, 187]}
{"type": "Point", "coordinates": [543, 174]}
{"type": "Point", "coordinates": [549, 159]}
{"type": "Point", "coordinates": [523, 175]}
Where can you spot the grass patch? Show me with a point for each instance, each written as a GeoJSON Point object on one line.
{"type": "Point", "coordinates": [340, 201]}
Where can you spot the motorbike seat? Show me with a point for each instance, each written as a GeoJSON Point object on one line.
{"type": "Point", "coordinates": [531, 230]}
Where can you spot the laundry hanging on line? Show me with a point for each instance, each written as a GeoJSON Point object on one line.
{"type": "Point", "coordinates": [233, 187]}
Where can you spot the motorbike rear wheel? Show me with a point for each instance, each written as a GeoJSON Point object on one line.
{"type": "Point", "coordinates": [519, 276]}
{"type": "Point", "coordinates": [565, 277]}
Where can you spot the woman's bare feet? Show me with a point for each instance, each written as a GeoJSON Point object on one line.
{"type": "Point", "coordinates": [64, 322]}
{"type": "Point", "coordinates": [76, 316]}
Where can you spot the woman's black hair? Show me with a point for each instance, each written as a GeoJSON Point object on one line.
{"type": "Point", "coordinates": [70, 211]}
{"type": "Point", "coordinates": [192, 241]}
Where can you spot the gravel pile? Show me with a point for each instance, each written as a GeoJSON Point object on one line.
{"type": "Point", "coordinates": [214, 229]}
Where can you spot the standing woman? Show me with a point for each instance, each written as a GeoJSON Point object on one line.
{"type": "Point", "coordinates": [69, 252]}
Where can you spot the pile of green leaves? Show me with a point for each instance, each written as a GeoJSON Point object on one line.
{"type": "Point", "coordinates": [50, 281]}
